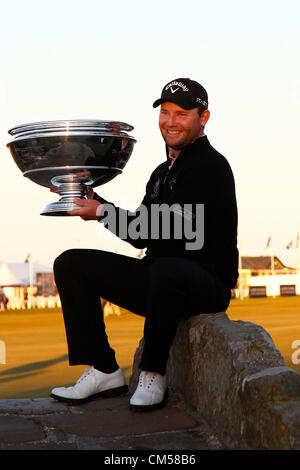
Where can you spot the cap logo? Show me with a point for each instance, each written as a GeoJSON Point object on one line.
{"type": "Point", "coordinates": [199, 100]}
{"type": "Point", "coordinates": [178, 84]}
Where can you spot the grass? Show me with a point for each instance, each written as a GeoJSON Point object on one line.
{"type": "Point", "coordinates": [279, 316]}
{"type": "Point", "coordinates": [36, 352]}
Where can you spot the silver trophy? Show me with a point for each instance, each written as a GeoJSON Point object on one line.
{"type": "Point", "coordinates": [71, 156]}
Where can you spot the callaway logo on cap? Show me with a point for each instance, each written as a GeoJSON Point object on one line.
{"type": "Point", "coordinates": [186, 93]}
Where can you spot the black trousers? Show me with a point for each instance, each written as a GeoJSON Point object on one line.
{"type": "Point", "coordinates": [163, 290]}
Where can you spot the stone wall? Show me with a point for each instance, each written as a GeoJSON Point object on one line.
{"type": "Point", "coordinates": [232, 374]}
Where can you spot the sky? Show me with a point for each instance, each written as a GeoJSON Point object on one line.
{"type": "Point", "coordinates": [109, 60]}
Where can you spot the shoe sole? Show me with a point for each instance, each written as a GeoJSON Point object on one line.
{"type": "Point", "coordinates": [112, 392]}
{"type": "Point", "coordinates": [156, 406]}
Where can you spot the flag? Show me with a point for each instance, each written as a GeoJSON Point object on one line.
{"type": "Point", "coordinates": [289, 245]}
{"type": "Point", "coordinates": [27, 258]}
{"type": "Point", "coordinates": [268, 242]}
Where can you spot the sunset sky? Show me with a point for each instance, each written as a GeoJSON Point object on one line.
{"type": "Point", "coordinates": [109, 60]}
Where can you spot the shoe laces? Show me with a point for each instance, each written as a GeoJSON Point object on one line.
{"type": "Point", "coordinates": [85, 374]}
{"type": "Point", "coordinates": [146, 380]}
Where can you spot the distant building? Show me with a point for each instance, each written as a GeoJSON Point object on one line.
{"type": "Point", "coordinates": [261, 276]}
{"type": "Point", "coordinates": [27, 284]}
{"type": "Point", "coordinates": [264, 265]}
{"type": "Point", "coordinates": [45, 284]}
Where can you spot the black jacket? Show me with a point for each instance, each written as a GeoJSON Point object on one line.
{"type": "Point", "coordinates": [199, 175]}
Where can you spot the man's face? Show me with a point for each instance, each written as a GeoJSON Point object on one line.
{"type": "Point", "coordinates": [180, 127]}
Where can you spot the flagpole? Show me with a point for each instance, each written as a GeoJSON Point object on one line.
{"type": "Point", "coordinates": [30, 272]}
{"type": "Point", "coordinates": [270, 246]}
{"type": "Point", "coordinates": [297, 248]}
{"type": "Point", "coordinates": [272, 257]}
{"type": "Point", "coordinates": [241, 281]}
{"type": "Point", "coordinates": [29, 261]}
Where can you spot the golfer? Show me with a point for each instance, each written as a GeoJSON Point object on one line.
{"type": "Point", "coordinates": [183, 273]}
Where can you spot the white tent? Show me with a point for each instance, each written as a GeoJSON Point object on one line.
{"type": "Point", "coordinates": [20, 274]}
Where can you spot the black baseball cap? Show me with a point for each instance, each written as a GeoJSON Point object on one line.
{"type": "Point", "coordinates": [187, 93]}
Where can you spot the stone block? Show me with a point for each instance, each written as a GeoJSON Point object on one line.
{"type": "Point", "coordinates": [232, 374]}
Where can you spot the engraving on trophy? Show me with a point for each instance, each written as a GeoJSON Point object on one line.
{"type": "Point", "coordinates": [70, 156]}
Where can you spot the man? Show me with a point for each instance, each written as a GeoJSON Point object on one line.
{"type": "Point", "coordinates": [184, 273]}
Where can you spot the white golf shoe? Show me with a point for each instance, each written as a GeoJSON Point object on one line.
{"type": "Point", "coordinates": [91, 385]}
{"type": "Point", "coordinates": [151, 392]}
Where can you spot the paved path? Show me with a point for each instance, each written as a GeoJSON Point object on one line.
{"type": "Point", "coordinates": [105, 424]}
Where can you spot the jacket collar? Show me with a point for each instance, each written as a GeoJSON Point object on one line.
{"type": "Point", "coordinates": [197, 145]}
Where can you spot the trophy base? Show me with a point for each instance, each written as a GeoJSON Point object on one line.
{"type": "Point", "coordinates": [59, 208]}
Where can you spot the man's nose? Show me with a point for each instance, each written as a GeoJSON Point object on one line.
{"type": "Point", "coordinates": [171, 121]}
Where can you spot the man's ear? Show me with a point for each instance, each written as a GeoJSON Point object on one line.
{"type": "Point", "coordinates": [204, 117]}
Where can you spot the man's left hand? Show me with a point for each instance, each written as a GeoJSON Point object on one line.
{"type": "Point", "coordinates": [88, 209]}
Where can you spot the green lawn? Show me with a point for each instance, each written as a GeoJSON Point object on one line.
{"type": "Point", "coordinates": [36, 353]}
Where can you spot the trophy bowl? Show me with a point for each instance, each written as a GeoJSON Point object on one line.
{"type": "Point", "coordinates": [71, 156]}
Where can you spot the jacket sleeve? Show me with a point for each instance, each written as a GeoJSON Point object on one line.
{"type": "Point", "coordinates": [127, 225]}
